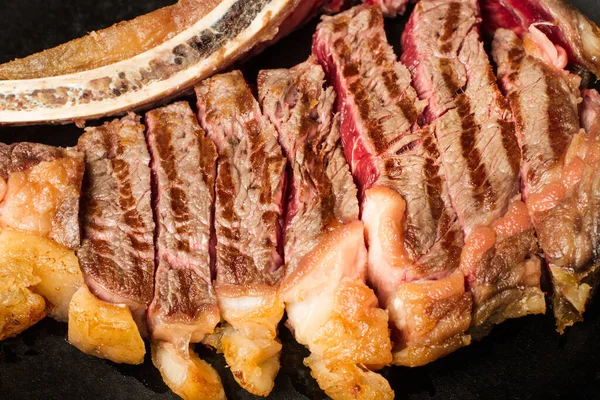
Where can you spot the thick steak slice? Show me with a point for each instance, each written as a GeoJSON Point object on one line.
{"type": "Point", "coordinates": [577, 36]}
{"type": "Point", "coordinates": [559, 168]}
{"type": "Point", "coordinates": [40, 187]}
{"type": "Point", "coordinates": [413, 235]}
{"type": "Point", "coordinates": [249, 204]}
{"type": "Point", "coordinates": [117, 250]}
{"type": "Point", "coordinates": [345, 329]}
{"type": "Point", "coordinates": [480, 156]}
{"type": "Point", "coordinates": [183, 168]}
{"type": "Point", "coordinates": [184, 308]}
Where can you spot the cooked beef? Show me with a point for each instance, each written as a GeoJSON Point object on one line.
{"type": "Point", "coordinates": [39, 229]}
{"type": "Point", "coordinates": [184, 308]}
{"type": "Point", "coordinates": [565, 25]}
{"type": "Point", "coordinates": [249, 204]}
{"type": "Point", "coordinates": [353, 50]}
{"type": "Point", "coordinates": [480, 155]}
{"type": "Point", "coordinates": [329, 306]}
{"type": "Point", "coordinates": [405, 194]}
{"type": "Point", "coordinates": [560, 181]}
{"type": "Point", "coordinates": [40, 188]}
{"type": "Point", "coordinates": [117, 250]}
{"type": "Point", "coordinates": [183, 170]}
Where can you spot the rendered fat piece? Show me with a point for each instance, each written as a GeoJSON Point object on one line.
{"type": "Point", "coordinates": [55, 268]}
{"type": "Point", "coordinates": [185, 373]}
{"type": "Point", "coordinates": [104, 329]}
{"type": "Point", "coordinates": [431, 317]}
{"type": "Point", "coordinates": [328, 305]}
{"type": "Point", "coordinates": [34, 198]}
{"type": "Point", "coordinates": [249, 340]}
{"type": "Point", "coordinates": [490, 289]}
{"type": "Point", "coordinates": [20, 307]}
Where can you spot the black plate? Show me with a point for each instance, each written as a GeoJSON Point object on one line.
{"type": "Point", "coordinates": [521, 359]}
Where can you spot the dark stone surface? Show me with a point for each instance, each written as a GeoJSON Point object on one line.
{"type": "Point", "coordinates": [521, 359]}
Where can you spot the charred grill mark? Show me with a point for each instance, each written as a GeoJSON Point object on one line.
{"type": "Point", "coordinates": [433, 180]}
{"type": "Point", "coordinates": [232, 23]}
{"type": "Point", "coordinates": [450, 24]}
{"type": "Point", "coordinates": [321, 181]}
{"type": "Point", "coordinates": [561, 116]}
{"type": "Point", "coordinates": [225, 189]}
{"type": "Point", "coordinates": [390, 79]}
{"type": "Point", "coordinates": [196, 290]}
{"type": "Point", "coordinates": [126, 201]}
{"type": "Point", "coordinates": [258, 160]}
{"type": "Point", "coordinates": [452, 245]}
{"type": "Point", "coordinates": [236, 264]}
{"type": "Point", "coordinates": [511, 145]}
{"type": "Point", "coordinates": [483, 191]}
{"type": "Point", "coordinates": [102, 251]}
{"type": "Point", "coordinates": [177, 195]}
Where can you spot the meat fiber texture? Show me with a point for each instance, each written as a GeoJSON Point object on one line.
{"type": "Point", "coordinates": [475, 131]}
{"type": "Point", "coordinates": [575, 35]}
{"type": "Point", "coordinates": [248, 210]}
{"type": "Point", "coordinates": [40, 187]}
{"type": "Point", "coordinates": [117, 250]}
{"type": "Point", "coordinates": [559, 167]}
{"type": "Point", "coordinates": [329, 306]}
{"type": "Point", "coordinates": [183, 170]}
{"type": "Point", "coordinates": [413, 235]}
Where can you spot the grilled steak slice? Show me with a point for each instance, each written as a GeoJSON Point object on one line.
{"type": "Point", "coordinates": [184, 308]}
{"type": "Point", "coordinates": [480, 155]}
{"type": "Point", "coordinates": [249, 203]}
{"type": "Point", "coordinates": [560, 181]}
{"type": "Point", "coordinates": [183, 166]}
{"type": "Point", "coordinates": [40, 187]}
{"type": "Point", "coordinates": [39, 229]}
{"type": "Point", "coordinates": [144, 65]}
{"type": "Point", "coordinates": [117, 250]}
{"type": "Point", "coordinates": [346, 329]}
{"type": "Point", "coordinates": [404, 192]}
{"type": "Point", "coordinates": [577, 36]}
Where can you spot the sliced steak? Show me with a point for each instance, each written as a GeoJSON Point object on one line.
{"type": "Point", "coordinates": [183, 170]}
{"type": "Point", "coordinates": [40, 188]}
{"type": "Point", "coordinates": [117, 250]}
{"type": "Point", "coordinates": [321, 224]}
{"type": "Point", "coordinates": [353, 50]}
{"type": "Point", "coordinates": [249, 205]}
{"type": "Point", "coordinates": [184, 309]}
{"type": "Point", "coordinates": [577, 36]}
{"type": "Point", "coordinates": [405, 194]}
{"type": "Point", "coordinates": [559, 168]}
{"type": "Point", "coordinates": [480, 156]}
